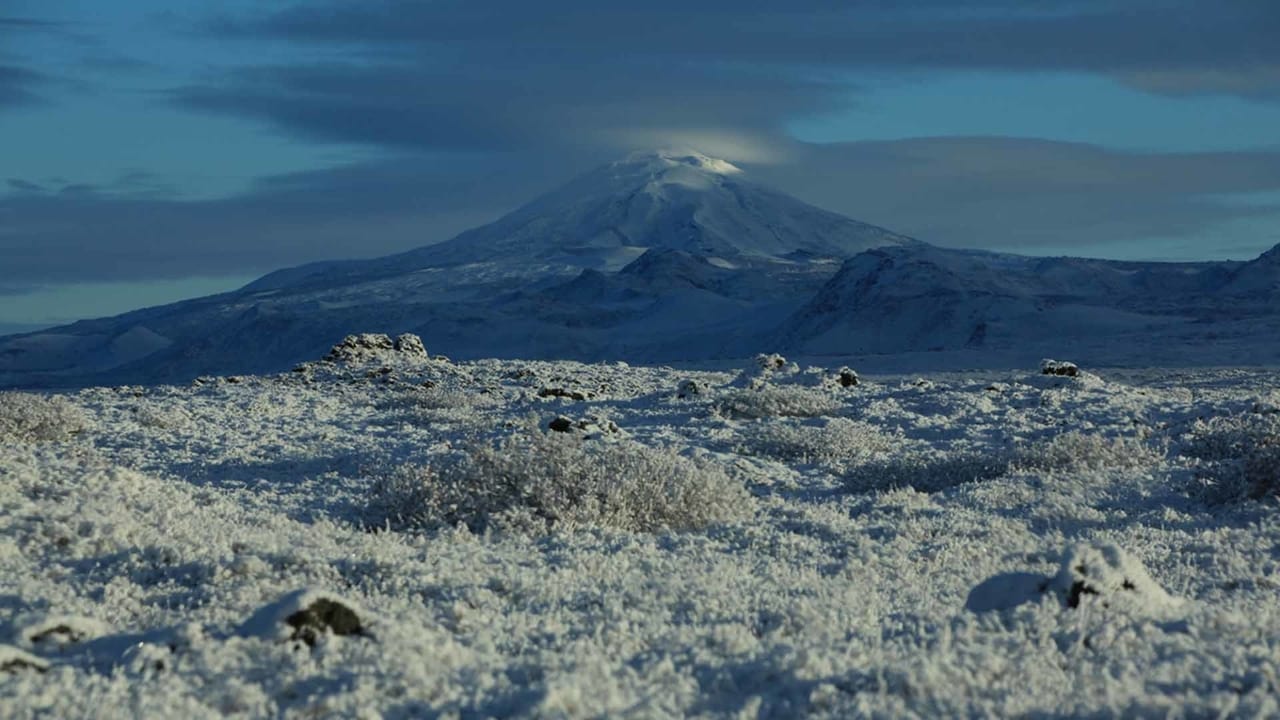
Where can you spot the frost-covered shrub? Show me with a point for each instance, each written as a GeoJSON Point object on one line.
{"type": "Point", "coordinates": [1074, 451]}
{"type": "Point", "coordinates": [26, 417]}
{"type": "Point", "coordinates": [153, 416]}
{"type": "Point", "coordinates": [926, 472]}
{"type": "Point", "coordinates": [764, 369]}
{"type": "Point", "coordinates": [1242, 454]}
{"type": "Point", "coordinates": [537, 481]}
{"type": "Point", "coordinates": [838, 441]}
{"type": "Point", "coordinates": [1254, 475]}
{"type": "Point", "coordinates": [423, 406]}
{"type": "Point", "coordinates": [448, 399]}
{"type": "Point", "coordinates": [1261, 469]}
{"type": "Point", "coordinates": [773, 401]}
{"type": "Point", "coordinates": [1069, 452]}
{"type": "Point", "coordinates": [1229, 437]}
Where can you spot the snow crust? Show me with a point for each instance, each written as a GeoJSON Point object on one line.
{"type": "Point", "coordinates": [988, 543]}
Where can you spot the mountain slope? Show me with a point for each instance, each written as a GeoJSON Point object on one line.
{"type": "Point", "coordinates": [649, 225]}
{"type": "Point", "coordinates": [928, 299]}
{"type": "Point", "coordinates": [608, 217]}
{"type": "Point", "coordinates": [666, 257]}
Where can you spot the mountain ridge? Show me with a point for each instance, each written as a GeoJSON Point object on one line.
{"type": "Point", "coordinates": [658, 257]}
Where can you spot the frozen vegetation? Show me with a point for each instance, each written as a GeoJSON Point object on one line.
{"type": "Point", "coordinates": [386, 533]}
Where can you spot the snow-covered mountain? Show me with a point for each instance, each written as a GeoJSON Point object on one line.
{"type": "Point", "coordinates": [659, 256]}
{"type": "Point", "coordinates": [665, 257]}
{"type": "Point", "coordinates": [891, 300]}
{"type": "Point", "coordinates": [607, 218]}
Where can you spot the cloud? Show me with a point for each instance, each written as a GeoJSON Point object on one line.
{"type": "Point", "coordinates": [14, 24]}
{"type": "Point", "coordinates": [83, 233]}
{"type": "Point", "coordinates": [1214, 42]}
{"type": "Point", "coordinates": [1024, 194]}
{"type": "Point", "coordinates": [487, 104]}
{"type": "Point", "coordinates": [480, 104]}
{"type": "Point", "coordinates": [24, 186]}
{"type": "Point", "coordinates": [18, 86]}
{"type": "Point", "coordinates": [509, 74]}
{"type": "Point", "coordinates": [1261, 82]}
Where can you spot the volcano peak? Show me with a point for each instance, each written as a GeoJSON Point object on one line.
{"type": "Point", "coordinates": [664, 159]}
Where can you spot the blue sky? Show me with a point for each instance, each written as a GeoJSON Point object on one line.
{"type": "Point", "coordinates": [158, 150]}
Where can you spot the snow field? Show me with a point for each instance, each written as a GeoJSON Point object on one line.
{"type": "Point", "coordinates": [961, 544]}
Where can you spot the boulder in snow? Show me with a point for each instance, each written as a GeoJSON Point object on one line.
{"type": "Point", "coordinates": [591, 427]}
{"type": "Point", "coordinates": [14, 660]}
{"type": "Point", "coordinates": [56, 631]}
{"type": "Point", "coordinates": [410, 344]}
{"type": "Point", "coordinates": [559, 392]}
{"type": "Point", "coordinates": [770, 362]}
{"type": "Point", "coordinates": [1107, 575]}
{"type": "Point", "coordinates": [764, 369]}
{"type": "Point", "coordinates": [689, 388]}
{"type": "Point", "coordinates": [305, 615]}
{"type": "Point", "coordinates": [846, 377]}
{"type": "Point", "coordinates": [1060, 368]}
{"type": "Point", "coordinates": [360, 348]}
{"type": "Point", "coordinates": [1103, 575]}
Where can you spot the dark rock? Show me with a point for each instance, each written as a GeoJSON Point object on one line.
{"type": "Point", "coordinates": [410, 344]}
{"type": "Point", "coordinates": [305, 615]}
{"type": "Point", "coordinates": [323, 615]}
{"type": "Point", "coordinates": [591, 427]}
{"type": "Point", "coordinates": [355, 348]}
{"type": "Point", "coordinates": [690, 389]}
{"type": "Point", "coordinates": [560, 392]}
{"type": "Point", "coordinates": [1059, 367]}
{"type": "Point", "coordinates": [847, 377]}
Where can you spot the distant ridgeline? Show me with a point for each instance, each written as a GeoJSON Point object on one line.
{"type": "Point", "coordinates": [669, 257]}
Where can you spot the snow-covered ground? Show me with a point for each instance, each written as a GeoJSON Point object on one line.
{"type": "Point", "coordinates": [393, 535]}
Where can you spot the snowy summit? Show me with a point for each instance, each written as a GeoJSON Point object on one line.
{"type": "Point", "coordinates": [660, 160]}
